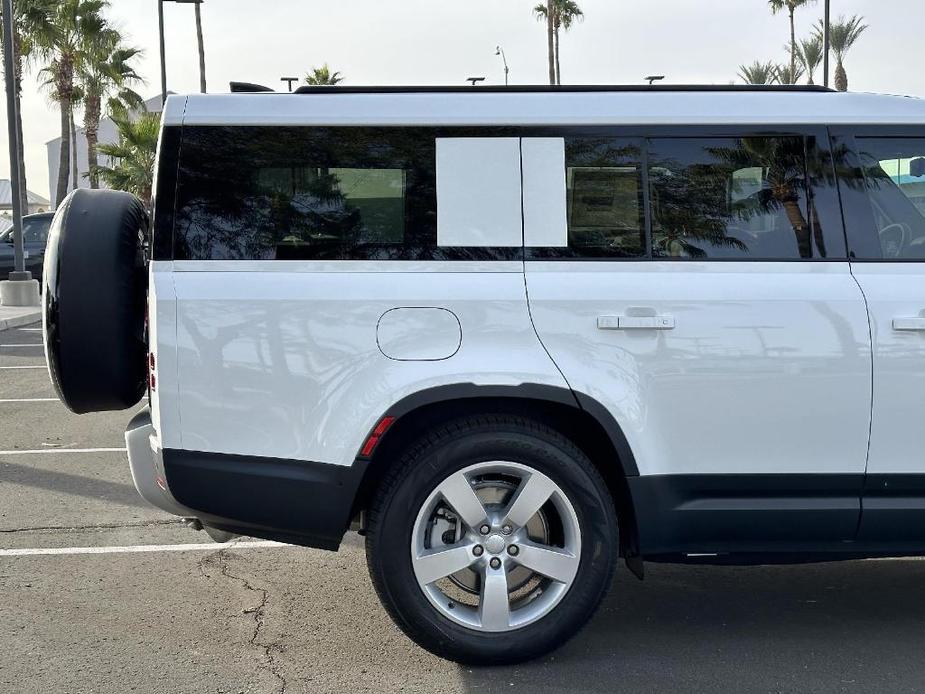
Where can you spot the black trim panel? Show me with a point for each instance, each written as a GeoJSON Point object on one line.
{"type": "Point", "coordinates": [746, 513]}
{"type": "Point", "coordinates": [294, 501]}
{"type": "Point", "coordinates": [893, 513]}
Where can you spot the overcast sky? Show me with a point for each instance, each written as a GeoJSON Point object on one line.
{"type": "Point", "coordinates": [441, 42]}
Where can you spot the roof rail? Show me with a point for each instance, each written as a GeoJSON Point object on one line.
{"type": "Point", "coordinates": [544, 88]}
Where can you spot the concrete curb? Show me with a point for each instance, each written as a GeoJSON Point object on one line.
{"type": "Point", "coordinates": [19, 316]}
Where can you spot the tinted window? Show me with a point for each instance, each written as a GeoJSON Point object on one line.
{"type": "Point", "coordinates": [605, 205]}
{"type": "Point", "coordinates": [305, 193]}
{"type": "Point", "coordinates": [35, 230]}
{"type": "Point", "coordinates": [894, 173]}
{"type": "Point", "coordinates": [736, 198]}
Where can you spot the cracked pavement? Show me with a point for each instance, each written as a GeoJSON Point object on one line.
{"type": "Point", "coordinates": [233, 619]}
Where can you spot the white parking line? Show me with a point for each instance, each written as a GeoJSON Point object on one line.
{"type": "Point", "coordinates": [23, 367]}
{"type": "Point", "coordinates": [133, 549]}
{"type": "Point", "coordinates": [31, 344]}
{"type": "Point", "coordinates": [38, 330]}
{"type": "Point", "coordinates": [63, 450]}
{"type": "Point", "coordinates": [28, 400]}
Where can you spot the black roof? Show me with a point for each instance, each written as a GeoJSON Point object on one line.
{"type": "Point", "coordinates": [546, 88]}
{"type": "Point", "coordinates": [239, 87]}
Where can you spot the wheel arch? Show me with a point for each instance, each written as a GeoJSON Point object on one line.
{"type": "Point", "coordinates": [576, 415]}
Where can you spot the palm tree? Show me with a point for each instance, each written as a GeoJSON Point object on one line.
{"type": "Point", "coordinates": [547, 14]}
{"type": "Point", "coordinates": [105, 79]}
{"type": "Point", "coordinates": [810, 54]}
{"type": "Point", "coordinates": [74, 25]}
{"type": "Point", "coordinates": [132, 165]}
{"type": "Point", "coordinates": [30, 22]}
{"type": "Point", "coordinates": [564, 14]}
{"type": "Point", "coordinates": [791, 7]}
{"type": "Point", "coordinates": [842, 36]}
{"type": "Point", "coordinates": [567, 12]}
{"type": "Point", "coordinates": [323, 76]}
{"type": "Point", "coordinates": [785, 76]}
{"type": "Point", "coordinates": [758, 73]}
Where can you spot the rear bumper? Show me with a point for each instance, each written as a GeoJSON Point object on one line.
{"type": "Point", "coordinates": [292, 501]}
{"type": "Point", "coordinates": [146, 463]}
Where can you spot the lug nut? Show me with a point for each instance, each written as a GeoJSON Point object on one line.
{"type": "Point", "coordinates": [485, 529]}
{"type": "Point", "coordinates": [506, 530]}
{"type": "Point", "coordinates": [495, 563]}
{"type": "Point", "coordinates": [513, 550]}
{"type": "Point", "coordinates": [477, 550]}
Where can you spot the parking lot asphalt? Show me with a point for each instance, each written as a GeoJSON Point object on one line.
{"type": "Point", "coordinates": [259, 618]}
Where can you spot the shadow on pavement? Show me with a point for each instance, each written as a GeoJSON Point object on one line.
{"type": "Point", "coordinates": [839, 627]}
{"type": "Point", "coordinates": [65, 483]}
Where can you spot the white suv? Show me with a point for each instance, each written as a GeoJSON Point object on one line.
{"type": "Point", "coordinates": [510, 335]}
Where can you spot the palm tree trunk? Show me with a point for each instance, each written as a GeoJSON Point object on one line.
{"type": "Point", "coordinates": [75, 174]}
{"type": "Point", "coordinates": [841, 77]}
{"type": "Point", "coordinates": [550, 40]}
{"type": "Point", "coordinates": [793, 46]}
{"type": "Point", "coordinates": [202, 50]}
{"type": "Point", "coordinates": [91, 131]}
{"type": "Point", "coordinates": [92, 157]}
{"type": "Point", "coordinates": [64, 155]}
{"type": "Point", "coordinates": [558, 69]}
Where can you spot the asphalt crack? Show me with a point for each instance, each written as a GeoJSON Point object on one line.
{"type": "Point", "coordinates": [92, 526]}
{"type": "Point", "coordinates": [258, 611]}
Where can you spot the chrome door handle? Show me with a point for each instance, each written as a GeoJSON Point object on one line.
{"type": "Point", "coordinates": [910, 323]}
{"type": "Point", "coordinates": [635, 322]}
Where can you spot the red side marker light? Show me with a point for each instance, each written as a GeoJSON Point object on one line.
{"type": "Point", "coordinates": [370, 445]}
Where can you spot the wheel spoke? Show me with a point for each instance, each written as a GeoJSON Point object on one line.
{"type": "Point", "coordinates": [433, 565]}
{"type": "Point", "coordinates": [557, 564]}
{"type": "Point", "coordinates": [494, 606]}
{"type": "Point", "coordinates": [533, 492]}
{"type": "Point", "coordinates": [459, 494]}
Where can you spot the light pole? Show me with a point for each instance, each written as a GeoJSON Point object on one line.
{"type": "Point", "coordinates": [202, 50]}
{"type": "Point", "coordinates": [652, 79]}
{"type": "Point", "coordinates": [507, 70]}
{"type": "Point", "coordinates": [825, 45]}
{"type": "Point", "coordinates": [19, 267]}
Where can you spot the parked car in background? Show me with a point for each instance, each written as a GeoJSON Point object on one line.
{"type": "Point", "coordinates": [35, 233]}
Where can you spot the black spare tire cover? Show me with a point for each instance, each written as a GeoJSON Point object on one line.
{"type": "Point", "coordinates": [94, 288]}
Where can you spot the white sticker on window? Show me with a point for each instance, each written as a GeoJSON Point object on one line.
{"type": "Point", "coordinates": [478, 192]}
{"type": "Point", "coordinates": [544, 191]}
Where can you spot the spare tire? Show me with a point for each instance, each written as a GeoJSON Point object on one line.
{"type": "Point", "coordinates": [94, 289]}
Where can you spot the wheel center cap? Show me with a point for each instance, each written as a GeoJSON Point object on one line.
{"type": "Point", "coordinates": [495, 544]}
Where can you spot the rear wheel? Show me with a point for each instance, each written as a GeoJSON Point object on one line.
{"type": "Point", "coordinates": [492, 541]}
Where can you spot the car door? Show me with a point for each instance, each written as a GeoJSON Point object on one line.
{"type": "Point", "coordinates": [695, 284]}
{"type": "Point", "coordinates": [882, 179]}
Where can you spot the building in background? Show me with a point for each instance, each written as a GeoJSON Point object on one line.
{"type": "Point", "coordinates": [107, 133]}
{"type": "Point", "coordinates": [36, 202]}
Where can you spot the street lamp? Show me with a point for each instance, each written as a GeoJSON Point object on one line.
{"type": "Point", "coordinates": [654, 78]}
{"type": "Point", "coordinates": [289, 81]}
{"type": "Point", "coordinates": [19, 268]}
{"type": "Point", "coordinates": [500, 51]}
{"type": "Point", "coordinates": [474, 80]}
{"type": "Point", "coordinates": [202, 50]}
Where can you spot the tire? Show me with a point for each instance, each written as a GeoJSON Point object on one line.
{"type": "Point", "coordinates": [94, 288]}
{"type": "Point", "coordinates": [491, 454]}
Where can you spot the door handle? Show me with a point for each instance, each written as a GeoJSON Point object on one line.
{"type": "Point", "coordinates": [664, 322]}
{"type": "Point", "coordinates": [910, 323]}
